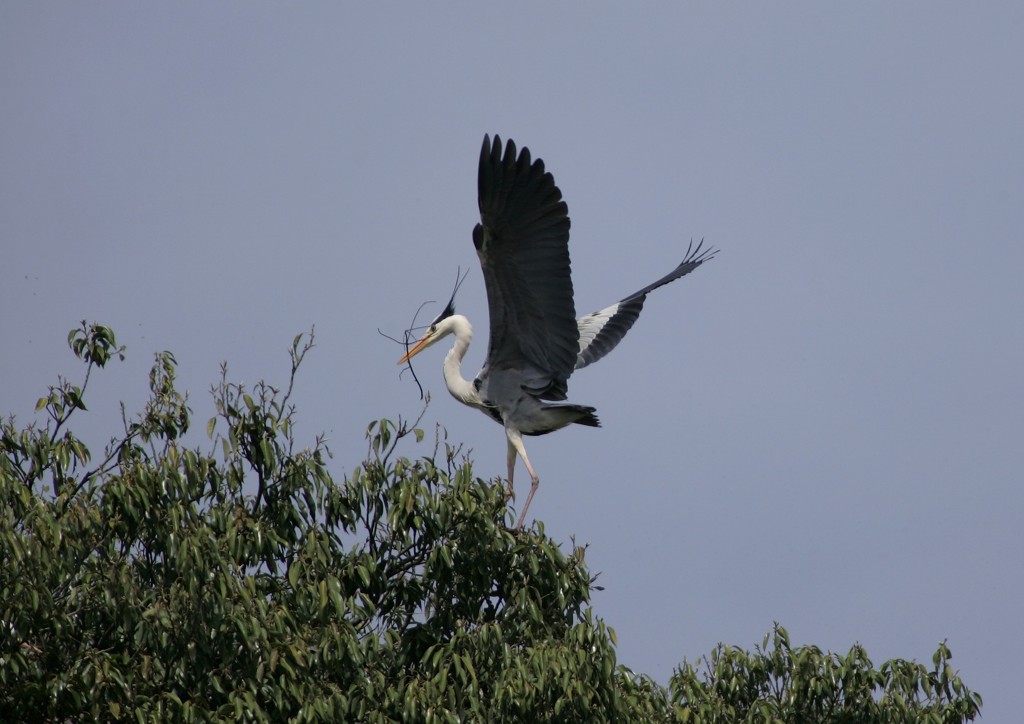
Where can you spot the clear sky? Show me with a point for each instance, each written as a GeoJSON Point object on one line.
{"type": "Point", "coordinates": [821, 427]}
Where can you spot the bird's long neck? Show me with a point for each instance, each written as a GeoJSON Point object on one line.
{"type": "Point", "coordinates": [461, 389]}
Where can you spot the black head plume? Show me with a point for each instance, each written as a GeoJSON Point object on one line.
{"type": "Point", "coordinates": [449, 310]}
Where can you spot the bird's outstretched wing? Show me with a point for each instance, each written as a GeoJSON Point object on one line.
{"type": "Point", "coordinates": [601, 331]}
{"type": "Point", "coordinates": [523, 245]}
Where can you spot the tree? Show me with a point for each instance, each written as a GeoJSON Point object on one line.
{"type": "Point", "coordinates": [242, 581]}
{"type": "Point", "coordinates": [781, 683]}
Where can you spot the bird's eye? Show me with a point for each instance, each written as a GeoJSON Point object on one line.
{"type": "Point", "coordinates": [433, 328]}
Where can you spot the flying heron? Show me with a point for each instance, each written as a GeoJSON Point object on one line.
{"type": "Point", "coordinates": [536, 342]}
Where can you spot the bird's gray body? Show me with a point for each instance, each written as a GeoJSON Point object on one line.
{"type": "Point", "coordinates": [536, 342]}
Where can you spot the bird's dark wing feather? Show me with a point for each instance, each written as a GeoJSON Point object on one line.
{"type": "Point", "coordinates": [523, 245]}
{"type": "Point", "coordinates": [601, 331]}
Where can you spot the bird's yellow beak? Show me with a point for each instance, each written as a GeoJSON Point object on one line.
{"type": "Point", "coordinates": [421, 345]}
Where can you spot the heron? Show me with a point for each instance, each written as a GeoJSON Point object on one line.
{"type": "Point", "coordinates": [536, 342]}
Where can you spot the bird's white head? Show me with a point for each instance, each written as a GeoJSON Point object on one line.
{"type": "Point", "coordinates": [447, 322]}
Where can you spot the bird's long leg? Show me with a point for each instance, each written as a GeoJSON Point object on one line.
{"type": "Point", "coordinates": [511, 494]}
{"type": "Point", "coordinates": [512, 452]}
{"type": "Point", "coordinates": [515, 445]}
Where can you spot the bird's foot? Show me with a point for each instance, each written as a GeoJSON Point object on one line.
{"type": "Point", "coordinates": [526, 506]}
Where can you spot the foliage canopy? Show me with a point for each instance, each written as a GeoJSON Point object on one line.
{"type": "Point", "coordinates": [242, 582]}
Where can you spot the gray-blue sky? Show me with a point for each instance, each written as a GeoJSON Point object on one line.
{"type": "Point", "coordinates": [821, 427]}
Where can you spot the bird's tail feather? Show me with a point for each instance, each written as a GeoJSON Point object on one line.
{"type": "Point", "coordinates": [588, 416]}
{"type": "Point", "coordinates": [558, 416]}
